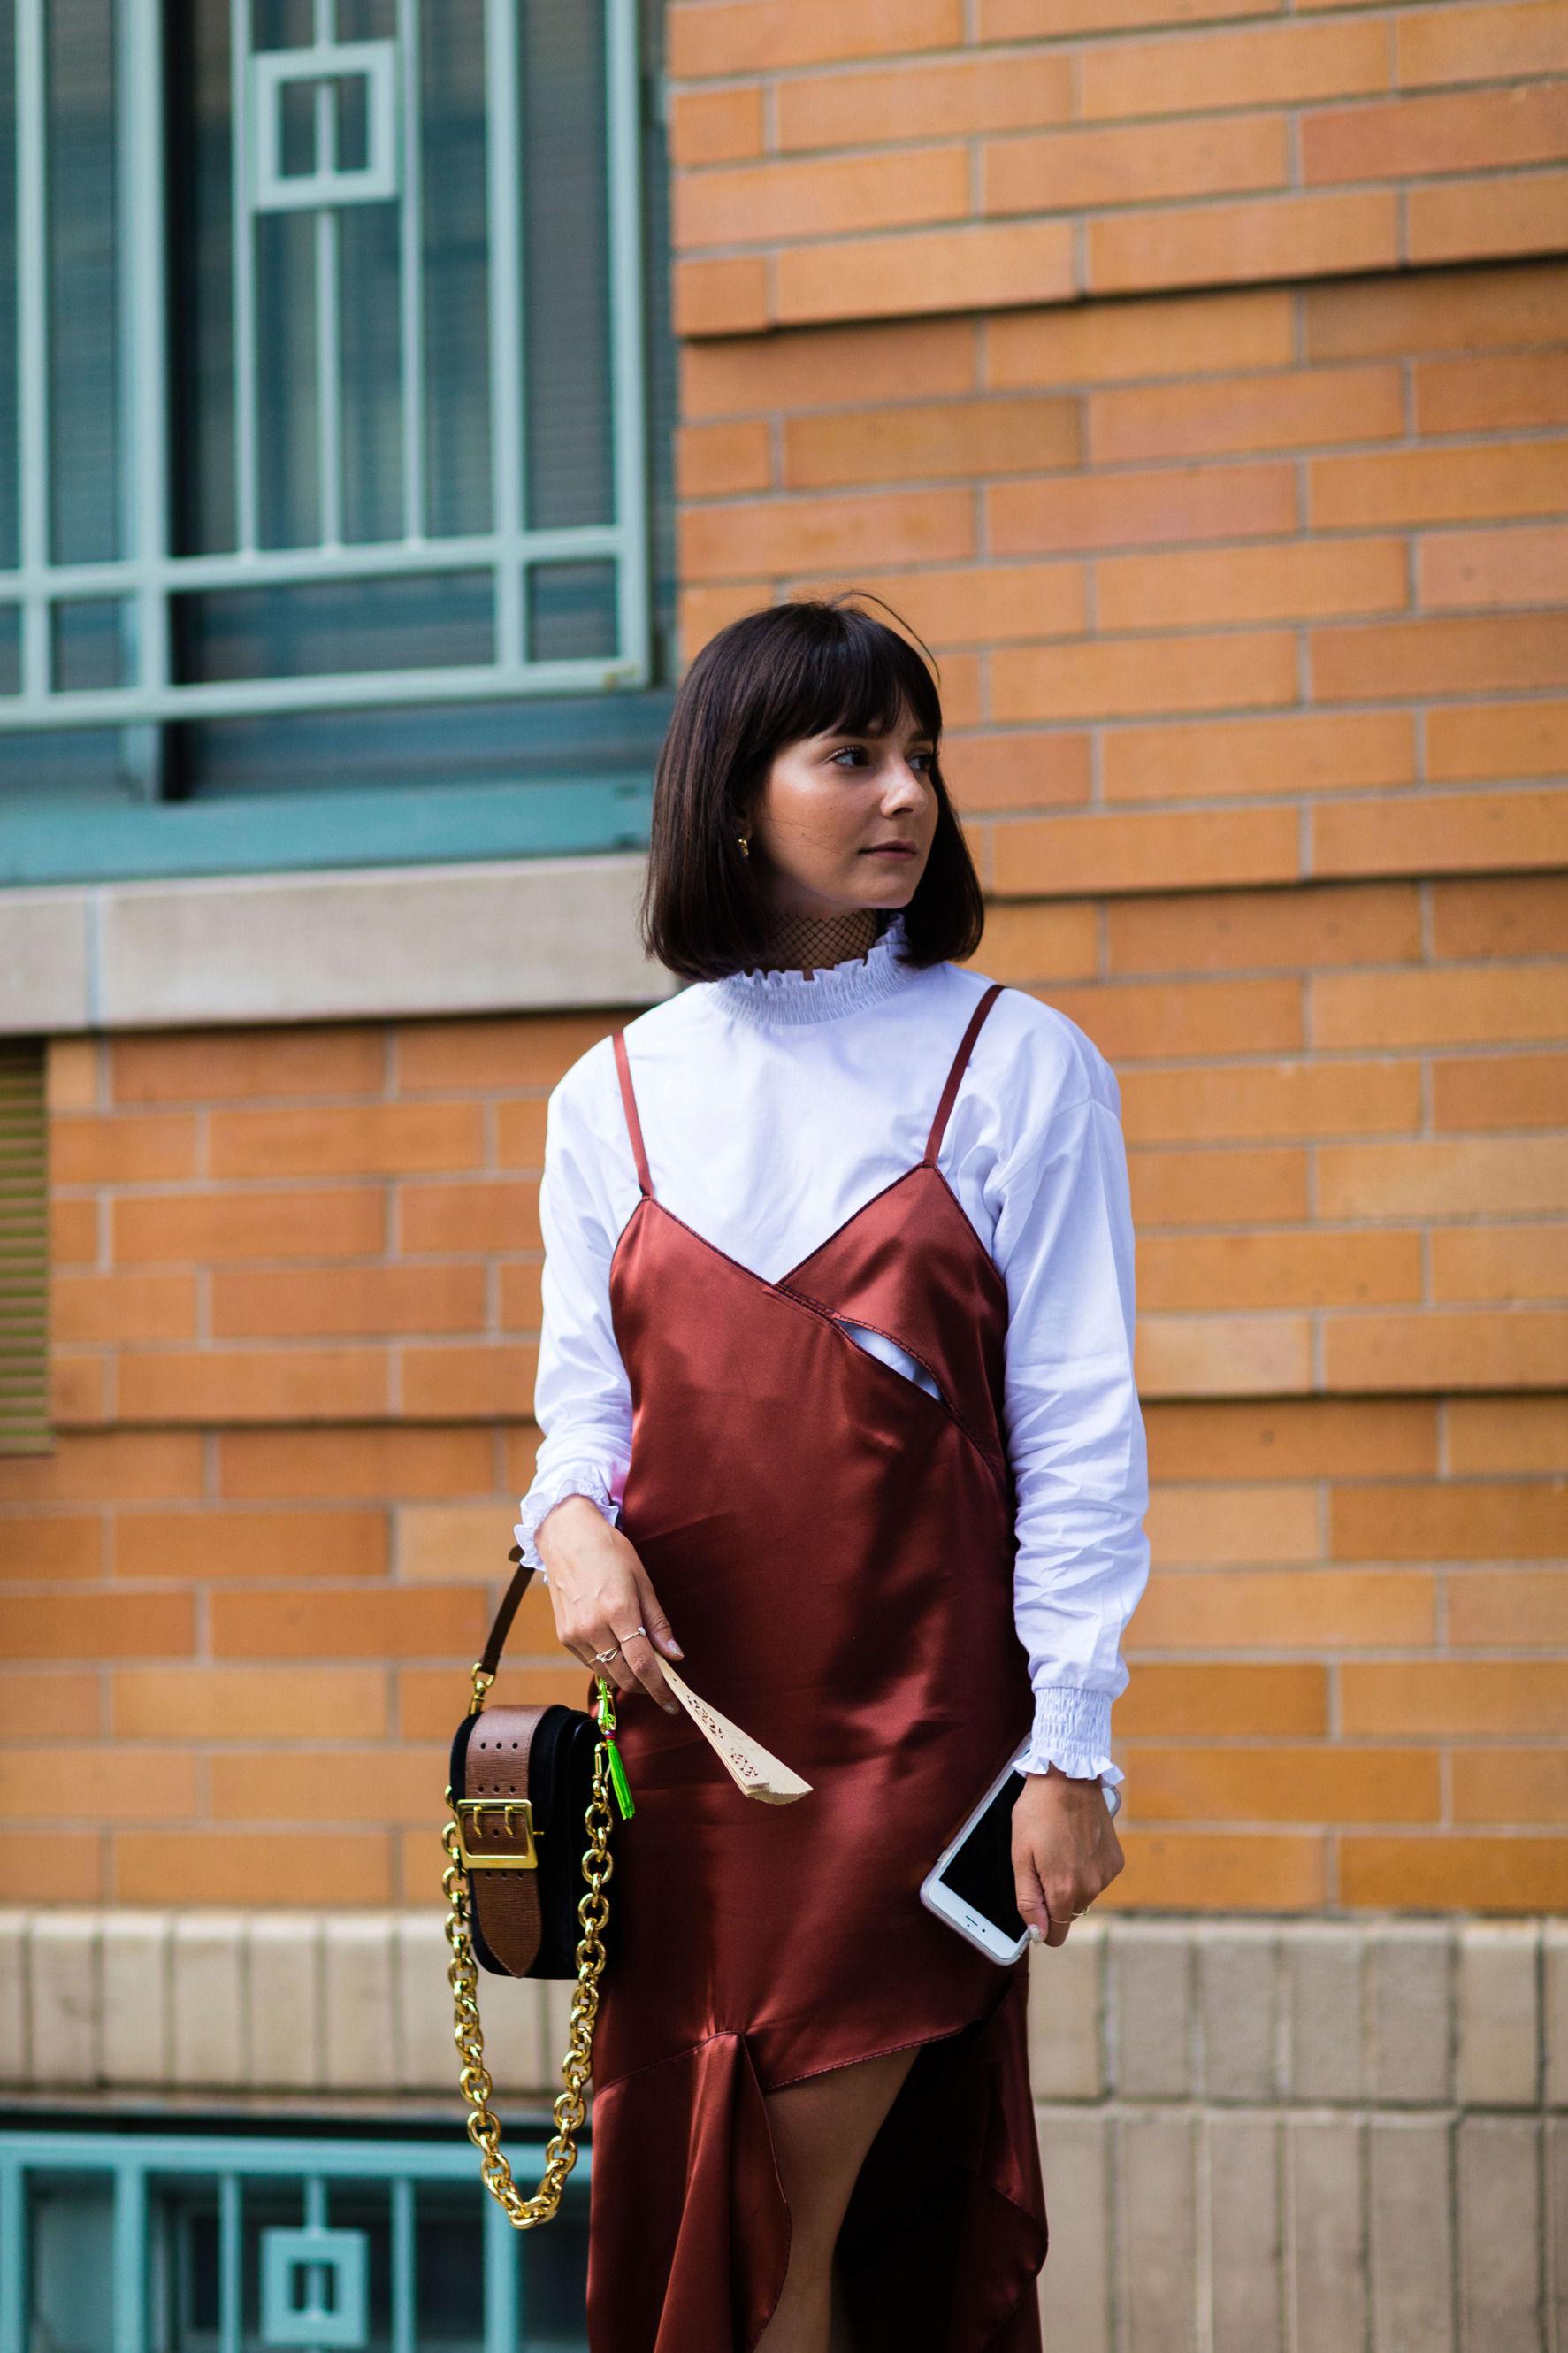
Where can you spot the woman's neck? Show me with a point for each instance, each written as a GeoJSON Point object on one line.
{"type": "Point", "coordinates": [807, 943]}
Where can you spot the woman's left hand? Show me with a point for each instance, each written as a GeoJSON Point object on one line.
{"type": "Point", "coordinates": [1065, 1851]}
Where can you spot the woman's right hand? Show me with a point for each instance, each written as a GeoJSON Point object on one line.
{"type": "Point", "coordinates": [602, 1594]}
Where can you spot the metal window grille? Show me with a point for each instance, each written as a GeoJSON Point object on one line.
{"type": "Point", "coordinates": [321, 357]}
{"type": "Point", "coordinates": [232, 2243]}
{"type": "Point", "coordinates": [23, 1250]}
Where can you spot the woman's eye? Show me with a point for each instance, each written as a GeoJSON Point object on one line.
{"type": "Point", "coordinates": [920, 762]}
{"type": "Point", "coordinates": [850, 755]}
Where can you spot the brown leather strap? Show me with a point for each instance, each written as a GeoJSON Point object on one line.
{"type": "Point", "coordinates": [489, 1658]}
{"type": "Point", "coordinates": [634, 1124]}
{"type": "Point", "coordinates": [960, 1064]}
{"type": "Point", "coordinates": [506, 1903]}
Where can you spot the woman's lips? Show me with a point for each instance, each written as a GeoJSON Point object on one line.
{"type": "Point", "coordinates": [890, 849]}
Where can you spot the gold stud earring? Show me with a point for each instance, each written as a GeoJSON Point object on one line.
{"type": "Point", "coordinates": [745, 841]}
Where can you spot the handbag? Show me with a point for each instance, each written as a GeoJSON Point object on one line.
{"type": "Point", "coordinates": [528, 1863]}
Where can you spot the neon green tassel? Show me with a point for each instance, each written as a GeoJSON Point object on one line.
{"type": "Point", "coordinates": [618, 1781]}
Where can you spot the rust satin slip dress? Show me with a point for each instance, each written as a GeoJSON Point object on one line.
{"type": "Point", "coordinates": [834, 1548]}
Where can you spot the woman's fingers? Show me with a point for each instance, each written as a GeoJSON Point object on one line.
{"type": "Point", "coordinates": [1065, 1851]}
{"type": "Point", "coordinates": [641, 1662]}
{"type": "Point", "coordinates": [660, 1633]}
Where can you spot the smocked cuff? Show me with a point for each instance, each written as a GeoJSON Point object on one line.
{"type": "Point", "coordinates": [1072, 1732]}
{"type": "Point", "coordinates": [571, 1479]}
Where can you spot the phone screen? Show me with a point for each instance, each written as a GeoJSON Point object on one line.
{"type": "Point", "coordinates": [981, 1873]}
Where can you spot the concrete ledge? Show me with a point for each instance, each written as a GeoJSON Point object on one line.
{"type": "Point", "coordinates": [530, 934]}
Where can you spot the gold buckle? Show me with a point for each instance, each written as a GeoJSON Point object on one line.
{"type": "Point", "coordinates": [473, 1811]}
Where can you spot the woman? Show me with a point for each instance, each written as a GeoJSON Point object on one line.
{"type": "Point", "coordinates": [836, 1383]}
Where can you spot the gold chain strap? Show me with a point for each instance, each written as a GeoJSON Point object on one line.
{"type": "Point", "coordinates": [463, 1977]}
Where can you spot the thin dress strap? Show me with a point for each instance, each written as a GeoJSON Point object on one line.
{"type": "Point", "coordinates": [634, 1124]}
{"type": "Point", "coordinates": [960, 1064]}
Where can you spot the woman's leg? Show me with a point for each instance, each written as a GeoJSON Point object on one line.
{"type": "Point", "coordinates": [822, 2130]}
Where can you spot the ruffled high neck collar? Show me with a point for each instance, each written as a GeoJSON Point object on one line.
{"type": "Point", "coordinates": [789, 1000]}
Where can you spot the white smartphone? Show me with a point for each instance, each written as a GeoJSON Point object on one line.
{"type": "Point", "coordinates": [970, 1885]}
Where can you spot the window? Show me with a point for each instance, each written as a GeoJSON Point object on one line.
{"type": "Point", "coordinates": [324, 421]}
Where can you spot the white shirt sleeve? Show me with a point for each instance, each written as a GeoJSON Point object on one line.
{"type": "Point", "coordinates": [1075, 1434]}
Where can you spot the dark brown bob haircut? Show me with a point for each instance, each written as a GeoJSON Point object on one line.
{"type": "Point", "coordinates": [772, 679]}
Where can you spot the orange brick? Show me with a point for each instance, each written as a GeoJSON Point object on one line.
{"type": "Point", "coordinates": [1450, 1522]}
{"type": "Point", "coordinates": [51, 1867]}
{"type": "Point", "coordinates": [1524, 1433]}
{"type": "Point", "coordinates": [1136, 1024]}
{"type": "Point", "coordinates": [746, 205]}
{"type": "Point", "coordinates": [371, 1140]}
{"type": "Point", "coordinates": [100, 1626]}
{"type": "Point", "coordinates": [737, 36]}
{"type": "Point", "coordinates": [1278, 1270]}
{"type": "Point", "coordinates": [1502, 1262]}
{"type": "Point", "coordinates": [718, 126]}
{"type": "Point", "coordinates": [1142, 510]}
{"type": "Point", "coordinates": [116, 1465]}
{"type": "Point", "coordinates": [457, 1544]}
{"type": "Point", "coordinates": [970, 269]}
{"type": "Point", "coordinates": [339, 1702]}
{"type": "Point", "coordinates": [1439, 657]}
{"type": "Point", "coordinates": [520, 1135]}
{"type": "Point", "coordinates": [1414, 137]}
{"type": "Point", "coordinates": [1187, 1871]}
{"type": "Point", "coordinates": [126, 1149]}
{"type": "Point", "coordinates": [1025, 20]}
{"type": "Point", "coordinates": [1509, 1608]}
{"type": "Point", "coordinates": [71, 1074]}
{"type": "Point", "coordinates": [45, 1550]}
{"type": "Point", "coordinates": [203, 1545]}
{"type": "Point", "coordinates": [1285, 1785]}
{"type": "Point", "coordinates": [1293, 1439]}
{"type": "Point", "coordinates": [1460, 1006]}
{"type": "Point", "coordinates": [1243, 930]}
{"type": "Point", "coordinates": [1170, 335]}
{"type": "Point", "coordinates": [807, 534]}
{"type": "Point", "coordinates": [705, 611]}
{"type": "Point", "coordinates": [1456, 1874]}
{"type": "Point", "coordinates": [1460, 570]}
{"type": "Point", "coordinates": [248, 1868]}
{"type": "Point", "coordinates": [1223, 1355]}
{"type": "Point", "coordinates": [1437, 834]}
{"type": "Point", "coordinates": [522, 1298]}
{"type": "Point", "coordinates": [123, 1307]}
{"type": "Point", "coordinates": [1026, 770]}
{"type": "Point", "coordinates": [1133, 676]}
{"type": "Point", "coordinates": [1515, 1091]}
{"type": "Point", "coordinates": [1271, 64]}
{"type": "Point", "coordinates": [431, 1700]}
{"type": "Point", "coordinates": [1511, 915]}
{"type": "Point", "coordinates": [1511, 1785]}
{"type": "Point", "coordinates": [1496, 739]}
{"type": "Point", "coordinates": [79, 1389]}
{"type": "Point", "coordinates": [987, 605]}
{"type": "Point", "coordinates": [308, 1384]}
{"type": "Point", "coordinates": [1456, 1350]}
{"type": "Point", "coordinates": [329, 1786]}
{"type": "Point", "coordinates": [33, 1703]}
{"type": "Point", "coordinates": [1293, 1610]}
{"type": "Point", "coordinates": [1254, 756]}
{"type": "Point", "coordinates": [464, 1384]}
{"type": "Point", "coordinates": [484, 1217]}
{"type": "Point", "coordinates": [100, 1784]}
{"type": "Point", "coordinates": [805, 368]}
{"type": "Point", "coordinates": [923, 102]}
{"type": "Point", "coordinates": [1479, 1178]}
{"type": "Point", "coordinates": [1305, 580]}
{"type": "Point", "coordinates": [1487, 396]}
{"type": "Point", "coordinates": [360, 1622]}
{"type": "Point", "coordinates": [1265, 237]}
{"type": "Point", "coordinates": [1299, 1099]}
{"type": "Point", "coordinates": [1195, 1188]}
{"type": "Point", "coordinates": [318, 1465]}
{"type": "Point", "coordinates": [1221, 417]}
{"type": "Point", "coordinates": [1072, 170]}
{"type": "Point", "coordinates": [350, 1221]}
{"type": "Point", "coordinates": [1486, 483]}
{"type": "Point", "coordinates": [1471, 221]}
{"type": "Point", "coordinates": [209, 1064]}
{"type": "Point", "coordinates": [1490, 43]}
{"type": "Point", "coordinates": [1251, 1523]}
{"type": "Point", "coordinates": [326, 1302]}
{"type": "Point", "coordinates": [1035, 944]}
{"type": "Point", "coordinates": [721, 298]}
{"type": "Point", "coordinates": [73, 1232]}
{"type": "Point", "coordinates": [714, 461]}
{"type": "Point", "coordinates": [1179, 1701]}
{"type": "Point", "coordinates": [533, 1051]}
{"type": "Point", "coordinates": [1436, 310]}
{"type": "Point", "coordinates": [1449, 1698]}
{"type": "Point", "coordinates": [1081, 854]}
{"type": "Point", "coordinates": [952, 439]}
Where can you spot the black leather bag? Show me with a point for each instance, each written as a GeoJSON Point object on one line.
{"type": "Point", "coordinates": [523, 1777]}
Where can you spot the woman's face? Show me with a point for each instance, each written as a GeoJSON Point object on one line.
{"type": "Point", "coordinates": [846, 822]}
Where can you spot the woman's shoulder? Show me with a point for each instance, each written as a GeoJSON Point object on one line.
{"type": "Point", "coordinates": [1037, 1059]}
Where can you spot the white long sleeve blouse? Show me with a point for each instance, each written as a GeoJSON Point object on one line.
{"type": "Point", "coordinates": [772, 1108]}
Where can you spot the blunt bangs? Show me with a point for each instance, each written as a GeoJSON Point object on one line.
{"type": "Point", "coordinates": [771, 678]}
